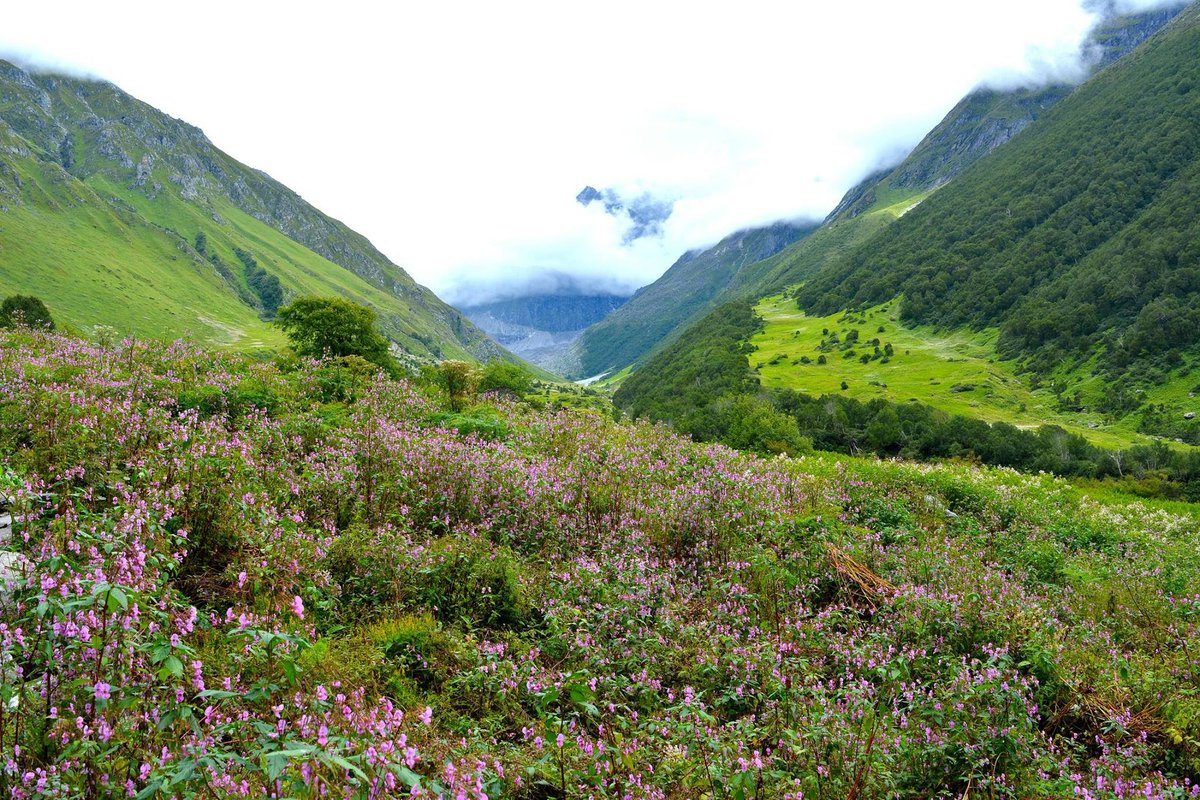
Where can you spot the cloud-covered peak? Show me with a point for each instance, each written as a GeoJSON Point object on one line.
{"type": "Point", "coordinates": [646, 214]}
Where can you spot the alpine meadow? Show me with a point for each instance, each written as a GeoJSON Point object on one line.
{"type": "Point", "coordinates": [900, 499]}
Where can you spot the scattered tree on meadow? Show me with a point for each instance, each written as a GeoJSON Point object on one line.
{"type": "Point", "coordinates": [21, 309]}
{"type": "Point", "coordinates": [333, 326]}
{"type": "Point", "coordinates": [505, 377]}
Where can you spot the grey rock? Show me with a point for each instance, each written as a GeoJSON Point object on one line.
{"type": "Point", "coordinates": [15, 572]}
{"type": "Point", "coordinates": [144, 168]}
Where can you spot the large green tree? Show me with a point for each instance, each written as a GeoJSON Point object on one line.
{"type": "Point", "coordinates": [20, 309]}
{"type": "Point", "coordinates": [333, 326]}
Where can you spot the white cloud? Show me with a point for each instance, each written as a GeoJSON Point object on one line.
{"type": "Point", "coordinates": [456, 136]}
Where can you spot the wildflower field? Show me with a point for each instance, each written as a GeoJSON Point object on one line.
{"type": "Point", "coordinates": [303, 579]}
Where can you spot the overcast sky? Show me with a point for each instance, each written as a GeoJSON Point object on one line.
{"type": "Point", "coordinates": [455, 135]}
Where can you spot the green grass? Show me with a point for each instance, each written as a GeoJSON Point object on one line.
{"type": "Point", "coordinates": [101, 254]}
{"type": "Point", "coordinates": [926, 366]}
{"type": "Point", "coordinates": [1078, 237]}
{"type": "Point", "coordinates": [102, 227]}
{"type": "Point", "coordinates": [94, 265]}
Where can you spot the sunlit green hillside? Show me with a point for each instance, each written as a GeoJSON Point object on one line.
{"type": "Point", "coordinates": [956, 371]}
{"type": "Point", "coordinates": [116, 214]}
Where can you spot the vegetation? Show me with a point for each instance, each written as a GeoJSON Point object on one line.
{"type": "Point", "coordinates": [957, 371]}
{"type": "Point", "coordinates": [501, 376]}
{"type": "Point", "coordinates": [690, 374]}
{"type": "Point", "coordinates": [311, 578]}
{"type": "Point", "coordinates": [21, 309]}
{"type": "Point", "coordinates": [1080, 239]}
{"type": "Point", "coordinates": [332, 326]}
{"type": "Point", "coordinates": [461, 381]}
{"type": "Point", "coordinates": [739, 268]}
{"type": "Point", "coordinates": [265, 285]}
{"type": "Point", "coordinates": [695, 382]}
{"type": "Point", "coordinates": [134, 220]}
{"type": "Point", "coordinates": [246, 581]}
{"type": "Point", "coordinates": [694, 285]}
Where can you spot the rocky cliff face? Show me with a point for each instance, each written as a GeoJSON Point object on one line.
{"type": "Point", "coordinates": [96, 131]}
{"type": "Point", "coordinates": [553, 313]}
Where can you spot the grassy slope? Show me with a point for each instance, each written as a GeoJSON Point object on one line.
{"type": "Point", "coordinates": [926, 365]}
{"type": "Point", "coordinates": [96, 264]}
{"type": "Point", "coordinates": [828, 243]}
{"type": "Point", "coordinates": [692, 287]}
{"type": "Point", "coordinates": [101, 246]}
{"type": "Point", "coordinates": [976, 126]}
{"type": "Point", "coordinates": [137, 272]}
{"type": "Point", "coordinates": [1047, 239]}
{"type": "Point", "coordinates": [959, 357]}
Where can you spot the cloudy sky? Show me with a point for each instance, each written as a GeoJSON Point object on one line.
{"type": "Point", "coordinates": [455, 135]}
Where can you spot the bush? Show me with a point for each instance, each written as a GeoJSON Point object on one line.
{"type": "Point", "coordinates": [416, 647]}
{"type": "Point", "coordinates": [750, 422]}
{"type": "Point", "coordinates": [468, 583]}
{"type": "Point", "coordinates": [27, 310]}
{"type": "Point", "coordinates": [461, 381]}
{"type": "Point", "coordinates": [482, 422]}
{"type": "Point", "coordinates": [501, 376]}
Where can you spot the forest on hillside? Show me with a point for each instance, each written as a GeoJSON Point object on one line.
{"type": "Point", "coordinates": [1079, 236]}
{"type": "Point", "coordinates": [703, 386]}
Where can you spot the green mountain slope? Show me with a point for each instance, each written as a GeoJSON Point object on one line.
{"type": "Point", "coordinates": [686, 292]}
{"type": "Point", "coordinates": [980, 123]}
{"type": "Point", "coordinates": [1080, 242]}
{"type": "Point", "coordinates": [1072, 246]}
{"type": "Point", "coordinates": [103, 200]}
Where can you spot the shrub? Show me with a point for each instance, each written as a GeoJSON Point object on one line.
{"type": "Point", "coordinates": [466, 582]}
{"type": "Point", "coordinates": [332, 326]}
{"type": "Point", "coordinates": [501, 376]}
{"type": "Point", "coordinates": [461, 381]}
{"type": "Point", "coordinates": [416, 647]}
{"type": "Point", "coordinates": [27, 310]}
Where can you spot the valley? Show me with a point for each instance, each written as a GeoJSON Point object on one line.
{"type": "Point", "coordinates": [955, 371]}
{"type": "Point", "coordinates": [895, 500]}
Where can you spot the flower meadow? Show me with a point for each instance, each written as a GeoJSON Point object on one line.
{"type": "Point", "coordinates": [304, 579]}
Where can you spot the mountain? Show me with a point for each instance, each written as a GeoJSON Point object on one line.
{"type": "Point", "coordinates": [683, 294]}
{"type": "Point", "coordinates": [541, 328]}
{"type": "Point", "coordinates": [117, 214]}
{"type": "Point", "coordinates": [1061, 268]}
{"type": "Point", "coordinates": [976, 126]}
{"type": "Point", "coordinates": [987, 118]}
{"type": "Point", "coordinates": [1080, 242]}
